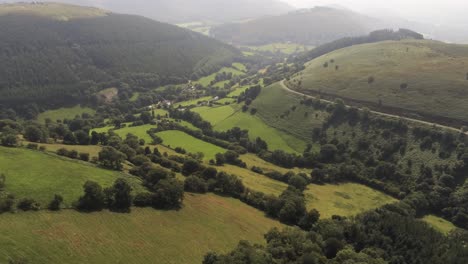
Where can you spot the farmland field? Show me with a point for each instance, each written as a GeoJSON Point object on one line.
{"type": "Point", "coordinates": [285, 48]}
{"type": "Point", "coordinates": [65, 113]}
{"type": "Point", "coordinates": [205, 81]}
{"type": "Point", "coordinates": [32, 174]}
{"type": "Point", "coordinates": [91, 149]}
{"type": "Point", "coordinates": [205, 223]}
{"type": "Point", "coordinates": [174, 138]}
{"type": "Point", "coordinates": [344, 199]}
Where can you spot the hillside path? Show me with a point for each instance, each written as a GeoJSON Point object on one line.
{"type": "Point", "coordinates": [285, 87]}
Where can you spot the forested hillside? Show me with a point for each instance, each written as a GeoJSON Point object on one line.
{"type": "Point", "coordinates": [57, 58]}
{"type": "Point", "coordinates": [182, 11]}
{"type": "Point", "coordinates": [311, 27]}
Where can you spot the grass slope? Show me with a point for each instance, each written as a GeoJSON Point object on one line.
{"type": "Point", "coordinates": [435, 72]}
{"type": "Point", "coordinates": [52, 10]}
{"type": "Point", "coordinates": [32, 174]}
{"type": "Point", "coordinates": [237, 69]}
{"type": "Point", "coordinates": [344, 199]}
{"type": "Point", "coordinates": [205, 223]}
{"type": "Point", "coordinates": [439, 224]}
{"type": "Point", "coordinates": [65, 113]}
{"type": "Point", "coordinates": [175, 138]}
{"type": "Point", "coordinates": [226, 117]}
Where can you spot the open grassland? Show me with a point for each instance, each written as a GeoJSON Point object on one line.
{"type": "Point", "coordinates": [65, 113]}
{"type": "Point", "coordinates": [226, 117]}
{"type": "Point", "coordinates": [345, 199]}
{"type": "Point", "coordinates": [238, 90]}
{"type": "Point", "coordinates": [193, 101]}
{"type": "Point", "coordinates": [285, 48]}
{"type": "Point", "coordinates": [282, 110]}
{"type": "Point", "coordinates": [91, 149]}
{"type": "Point", "coordinates": [139, 131]}
{"type": "Point", "coordinates": [253, 160]}
{"type": "Point", "coordinates": [205, 223]}
{"type": "Point", "coordinates": [241, 67]}
{"type": "Point", "coordinates": [439, 224]}
{"type": "Point", "coordinates": [175, 138]}
{"type": "Point", "coordinates": [255, 181]}
{"type": "Point", "coordinates": [426, 77]}
{"type": "Point", "coordinates": [205, 81]}
{"type": "Point", "coordinates": [134, 97]}
{"type": "Point", "coordinates": [52, 10]}
{"type": "Point", "coordinates": [37, 175]}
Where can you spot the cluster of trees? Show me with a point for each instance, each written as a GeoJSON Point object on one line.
{"type": "Point", "coordinates": [117, 198]}
{"type": "Point", "coordinates": [73, 154]}
{"type": "Point", "coordinates": [387, 235]}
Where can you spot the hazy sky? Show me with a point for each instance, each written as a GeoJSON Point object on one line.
{"type": "Point", "coordinates": [441, 11]}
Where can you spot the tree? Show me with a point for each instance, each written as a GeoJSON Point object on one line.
{"type": "Point", "coordinates": [28, 204]}
{"type": "Point", "coordinates": [34, 134]}
{"type": "Point", "coordinates": [146, 117]}
{"type": "Point", "coordinates": [9, 140]}
{"type": "Point", "coordinates": [119, 197]}
{"type": "Point", "coordinates": [111, 158]}
{"type": "Point", "coordinates": [309, 219]}
{"type": "Point", "coordinates": [190, 166]}
{"type": "Point", "coordinates": [328, 153]}
{"type": "Point", "coordinates": [93, 198]}
{"type": "Point", "coordinates": [220, 160]}
{"type": "Point", "coordinates": [2, 181]}
{"type": "Point", "coordinates": [54, 205]}
{"type": "Point", "coordinates": [195, 184]}
{"type": "Point", "coordinates": [168, 194]}
{"type": "Point", "coordinates": [298, 182]}
{"type": "Point", "coordinates": [82, 138]}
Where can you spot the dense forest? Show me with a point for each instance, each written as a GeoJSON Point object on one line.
{"type": "Point", "coordinates": [310, 27]}
{"type": "Point", "coordinates": [52, 62]}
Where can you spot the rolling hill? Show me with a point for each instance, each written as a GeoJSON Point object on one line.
{"type": "Point", "coordinates": [56, 54]}
{"type": "Point", "coordinates": [420, 78]}
{"type": "Point", "coordinates": [309, 27]}
{"type": "Point", "coordinates": [182, 11]}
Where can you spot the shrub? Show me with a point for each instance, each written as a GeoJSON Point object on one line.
{"type": "Point", "coordinates": [84, 156]}
{"type": "Point", "coordinates": [42, 148]}
{"type": "Point", "coordinates": [28, 204]}
{"type": "Point", "coordinates": [32, 146]}
{"type": "Point", "coordinates": [195, 184]}
{"type": "Point", "coordinates": [55, 203]}
{"type": "Point", "coordinates": [143, 199]}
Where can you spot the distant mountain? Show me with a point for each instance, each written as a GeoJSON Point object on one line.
{"type": "Point", "coordinates": [309, 26]}
{"type": "Point", "coordinates": [52, 54]}
{"type": "Point", "coordinates": [180, 11]}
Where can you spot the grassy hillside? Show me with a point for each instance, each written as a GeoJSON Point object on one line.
{"type": "Point", "coordinates": [65, 113]}
{"type": "Point", "coordinates": [226, 117]}
{"type": "Point", "coordinates": [32, 174]}
{"type": "Point", "coordinates": [175, 138]}
{"type": "Point", "coordinates": [205, 223]}
{"type": "Point", "coordinates": [439, 224]}
{"type": "Point", "coordinates": [345, 199]}
{"type": "Point", "coordinates": [308, 27]}
{"type": "Point", "coordinates": [95, 52]}
{"type": "Point", "coordinates": [425, 77]}
{"type": "Point", "coordinates": [52, 10]}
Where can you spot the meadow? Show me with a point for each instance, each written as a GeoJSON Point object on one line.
{"type": "Point", "coordinates": [64, 113]}
{"type": "Point", "coordinates": [344, 199]}
{"type": "Point", "coordinates": [205, 223]}
{"type": "Point", "coordinates": [92, 150]}
{"type": "Point", "coordinates": [284, 48]}
{"type": "Point", "coordinates": [439, 224]}
{"type": "Point", "coordinates": [175, 138]}
{"type": "Point", "coordinates": [236, 69]}
{"type": "Point", "coordinates": [37, 175]}
{"type": "Point", "coordinates": [226, 117]}
{"type": "Point", "coordinates": [426, 77]}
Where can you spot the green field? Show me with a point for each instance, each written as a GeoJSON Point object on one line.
{"type": "Point", "coordinates": [175, 138]}
{"type": "Point", "coordinates": [193, 101]}
{"type": "Point", "coordinates": [205, 223]}
{"type": "Point", "coordinates": [435, 74]}
{"type": "Point", "coordinates": [91, 149]}
{"type": "Point", "coordinates": [238, 91]}
{"type": "Point", "coordinates": [345, 199]}
{"type": "Point", "coordinates": [65, 113]}
{"type": "Point", "coordinates": [32, 174]}
{"type": "Point", "coordinates": [205, 81]}
{"type": "Point", "coordinates": [284, 48]}
{"type": "Point", "coordinates": [439, 224]}
{"type": "Point", "coordinates": [139, 131]}
{"type": "Point", "coordinates": [134, 97]}
{"type": "Point", "coordinates": [226, 117]}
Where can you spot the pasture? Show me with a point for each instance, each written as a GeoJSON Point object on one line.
{"type": "Point", "coordinates": [439, 224]}
{"type": "Point", "coordinates": [64, 113]}
{"type": "Point", "coordinates": [345, 199]}
{"type": "Point", "coordinates": [425, 77]}
{"type": "Point", "coordinates": [175, 138]}
{"type": "Point", "coordinates": [205, 223]}
{"type": "Point", "coordinates": [37, 175]}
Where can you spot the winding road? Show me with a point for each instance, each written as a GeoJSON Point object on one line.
{"type": "Point", "coordinates": [285, 87]}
